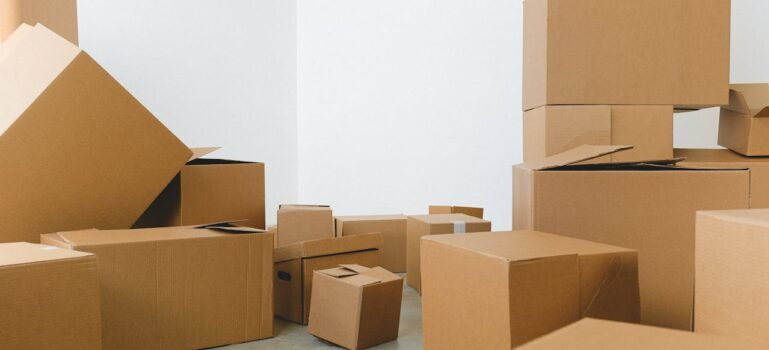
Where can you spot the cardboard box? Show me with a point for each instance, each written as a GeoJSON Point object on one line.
{"type": "Point", "coordinates": [274, 230]}
{"type": "Point", "coordinates": [732, 296]}
{"type": "Point", "coordinates": [498, 290]}
{"type": "Point", "coordinates": [743, 126]}
{"type": "Point", "coordinates": [356, 307]}
{"type": "Point", "coordinates": [393, 229]}
{"type": "Point", "coordinates": [649, 207]}
{"type": "Point", "coordinates": [589, 334]}
{"type": "Point", "coordinates": [453, 209]}
{"type": "Point", "coordinates": [294, 265]}
{"type": "Point", "coordinates": [551, 130]}
{"type": "Point", "coordinates": [49, 299]}
{"type": "Point", "coordinates": [436, 224]}
{"type": "Point", "coordinates": [210, 190]}
{"type": "Point", "coordinates": [59, 15]}
{"type": "Point", "coordinates": [191, 287]}
{"type": "Point", "coordinates": [78, 151]}
{"type": "Point", "coordinates": [648, 52]}
{"type": "Point", "coordinates": [299, 223]}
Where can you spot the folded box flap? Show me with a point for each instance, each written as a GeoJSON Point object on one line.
{"type": "Point", "coordinates": [199, 152]}
{"type": "Point", "coordinates": [575, 155]}
{"type": "Point", "coordinates": [229, 227]}
{"type": "Point", "coordinates": [361, 280]}
{"type": "Point", "coordinates": [351, 273]}
{"type": "Point", "coordinates": [751, 99]}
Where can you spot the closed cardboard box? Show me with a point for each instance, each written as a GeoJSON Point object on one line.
{"type": "Point", "coordinates": [59, 15]}
{"type": "Point", "coordinates": [190, 287]}
{"type": "Point", "coordinates": [455, 209]}
{"type": "Point", "coordinates": [77, 150]}
{"type": "Point", "coordinates": [499, 290]}
{"type": "Point", "coordinates": [649, 207]}
{"type": "Point", "coordinates": [295, 264]}
{"type": "Point", "coordinates": [356, 307]}
{"type": "Point", "coordinates": [299, 223]}
{"type": "Point", "coordinates": [210, 190]}
{"type": "Point", "coordinates": [49, 299]}
{"type": "Point", "coordinates": [393, 229]}
{"type": "Point", "coordinates": [744, 123]}
{"type": "Point", "coordinates": [589, 334]}
{"type": "Point", "coordinates": [436, 224]}
{"type": "Point", "coordinates": [650, 52]}
{"type": "Point", "coordinates": [551, 130]}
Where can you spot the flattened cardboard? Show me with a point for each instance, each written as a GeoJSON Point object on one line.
{"type": "Point", "coordinates": [647, 52]}
{"type": "Point", "coordinates": [393, 230]}
{"type": "Point", "coordinates": [179, 287]}
{"type": "Point", "coordinates": [298, 223]}
{"type": "Point", "coordinates": [743, 126]}
{"type": "Point", "coordinates": [507, 288]}
{"type": "Point", "coordinates": [49, 298]}
{"type": "Point", "coordinates": [78, 150]}
{"type": "Point", "coordinates": [649, 207]}
{"type": "Point", "coordinates": [59, 15]}
{"type": "Point", "coordinates": [454, 209]}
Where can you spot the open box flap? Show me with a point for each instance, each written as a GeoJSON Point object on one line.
{"type": "Point", "coordinates": [575, 155]}
{"type": "Point", "coordinates": [351, 273]}
{"type": "Point", "coordinates": [749, 99]}
{"type": "Point", "coordinates": [199, 152]}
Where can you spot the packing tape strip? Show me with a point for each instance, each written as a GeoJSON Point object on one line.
{"type": "Point", "coordinates": [459, 227]}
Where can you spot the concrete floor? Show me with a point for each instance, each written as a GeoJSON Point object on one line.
{"type": "Point", "coordinates": [293, 336]}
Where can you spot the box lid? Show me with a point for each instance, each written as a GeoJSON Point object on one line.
{"type": "Point", "coordinates": [360, 276]}
{"type": "Point", "coordinates": [26, 253]}
{"type": "Point", "coordinates": [749, 99]}
{"type": "Point", "coordinates": [448, 218]}
{"type": "Point", "coordinates": [328, 246]}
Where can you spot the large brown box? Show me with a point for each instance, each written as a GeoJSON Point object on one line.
{"type": "Point", "coordinates": [190, 287]}
{"type": "Point", "coordinates": [650, 52]}
{"type": "Point", "coordinates": [49, 299]}
{"type": "Point", "coordinates": [499, 290]}
{"type": "Point", "coordinates": [435, 224]}
{"type": "Point", "coordinates": [744, 123]}
{"type": "Point", "coordinates": [59, 15]}
{"type": "Point", "coordinates": [210, 190]}
{"type": "Point", "coordinates": [299, 223]}
{"type": "Point", "coordinates": [295, 264]}
{"type": "Point", "coordinates": [455, 209]}
{"type": "Point", "coordinates": [550, 130]}
{"type": "Point", "coordinates": [78, 151]}
{"type": "Point", "coordinates": [649, 207]}
{"type": "Point", "coordinates": [393, 229]}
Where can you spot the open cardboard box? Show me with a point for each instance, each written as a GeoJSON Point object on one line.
{"type": "Point", "coordinates": [744, 123]}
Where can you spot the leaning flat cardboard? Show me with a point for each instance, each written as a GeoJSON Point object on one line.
{"type": "Point", "coordinates": [191, 287]}
{"type": "Point", "coordinates": [502, 289]}
{"type": "Point", "coordinates": [210, 190]}
{"type": "Point", "coordinates": [744, 123]}
{"type": "Point", "coordinates": [77, 150]}
{"type": "Point", "coordinates": [455, 209]}
{"type": "Point", "coordinates": [49, 298]}
{"type": "Point", "coordinates": [393, 230]}
{"type": "Point", "coordinates": [59, 15]}
{"type": "Point", "coordinates": [590, 334]}
{"type": "Point", "coordinates": [298, 223]}
{"type": "Point", "coordinates": [732, 296]}
{"type": "Point", "coordinates": [650, 52]}
{"type": "Point", "coordinates": [356, 307]}
{"type": "Point", "coordinates": [294, 266]}
{"type": "Point", "coordinates": [649, 207]}
{"type": "Point", "coordinates": [436, 224]}
{"type": "Point", "coordinates": [550, 130]}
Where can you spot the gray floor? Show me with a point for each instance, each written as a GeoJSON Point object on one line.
{"type": "Point", "coordinates": [293, 336]}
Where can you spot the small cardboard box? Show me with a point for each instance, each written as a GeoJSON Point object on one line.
{"type": "Point", "coordinates": [77, 150]}
{"type": "Point", "coordinates": [649, 207]}
{"type": "Point", "coordinates": [210, 190]}
{"type": "Point", "coordinates": [453, 209]}
{"type": "Point", "coordinates": [507, 288]}
{"type": "Point", "coordinates": [191, 287]}
{"type": "Point", "coordinates": [650, 52]}
{"type": "Point", "coordinates": [744, 124]}
{"type": "Point", "coordinates": [590, 334]}
{"type": "Point", "coordinates": [732, 296]}
{"type": "Point", "coordinates": [436, 224]}
{"type": "Point", "coordinates": [356, 307]}
{"type": "Point", "coordinates": [59, 15]}
{"type": "Point", "coordinates": [393, 229]}
{"type": "Point", "coordinates": [550, 130]}
{"type": "Point", "coordinates": [299, 223]}
{"type": "Point", "coordinates": [49, 299]}
{"type": "Point", "coordinates": [294, 265]}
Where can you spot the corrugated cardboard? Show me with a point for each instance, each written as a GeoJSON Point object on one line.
{"type": "Point", "coordinates": [77, 150]}
{"type": "Point", "coordinates": [454, 209]}
{"type": "Point", "coordinates": [180, 287]}
{"type": "Point", "coordinates": [274, 230]}
{"type": "Point", "coordinates": [393, 229]}
{"type": "Point", "coordinates": [49, 299]}
{"type": "Point", "coordinates": [59, 15]}
{"type": "Point", "coordinates": [436, 224]}
{"type": "Point", "coordinates": [590, 334]}
{"type": "Point", "coordinates": [732, 297]}
{"type": "Point", "coordinates": [744, 126]}
{"type": "Point", "coordinates": [550, 130]}
{"type": "Point", "coordinates": [498, 290]}
{"type": "Point", "coordinates": [650, 52]}
{"type": "Point", "coordinates": [299, 223]}
{"type": "Point", "coordinates": [294, 266]}
{"type": "Point", "coordinates": [356, 307]}
{"type": "Point", "coordinates": [210, 190]}
{"type": "Point", "coordinates": [649, 207]}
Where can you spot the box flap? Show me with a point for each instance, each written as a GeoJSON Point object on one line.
{"type": "Point", "coordinates": [199, 152]}
{"type": "Point", "coordinates": [27, 253]}
{"type": "Point", "coordinates": [352, 274]}
{"type": "Point", "coordinates": [749, 99]}
{"type": "Point", "coordinates": [230, 227]}
{"type": "Point", "coordinates": [328, 246]}
{"type": "Point", "coordinates": [575, 155]}
{"type": "Point", "coordinates": [338, 272]}
{"type": "Point", "coordinates": [361, 280]}
{"type": "Point", "coordinates": [93, 237]}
